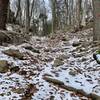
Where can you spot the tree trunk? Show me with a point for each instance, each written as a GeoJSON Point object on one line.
{"type": "Point", "coordinates": [18, 13]}
{"type": "Point", "coordinates": [27, 20]}
{"type": "Point", "coordinates": [96, 5]}
{"type": "Point", "coordinates": [54, 16]}
{"type": "Point", "coordinates": [66, 5]}
{"type": "Point", "coordinates": [79, 12]}
{"type": "Point", "coordinates": [3, 13]}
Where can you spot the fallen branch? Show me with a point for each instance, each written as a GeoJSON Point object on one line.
{"type": "Point", "coordinates": [55, 81]}
{"type": "Point", "coordinates": [69, 88]}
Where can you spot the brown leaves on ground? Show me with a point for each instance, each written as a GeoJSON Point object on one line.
{"type": "Point", "coordinates": [30, 90]}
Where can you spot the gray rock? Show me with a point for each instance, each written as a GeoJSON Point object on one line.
{"type": "Point", "coordinates": [73, 72]}
{"type": "Point", "coordinates": [62, 57]}
{"type": "Point", "coordinates": [58, 62]}
{"type": "Point", "coordinates": [84, 59]}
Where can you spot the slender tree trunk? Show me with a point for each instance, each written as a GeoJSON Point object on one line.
{"type": "Point", "coordinates": [32, 6]}
{"type": "Point", "coordinates": [18, 8]}
{"type": "Point", "coordinates": [8, 13]}
{"type": "Point", "coordinates": [96, 5]}
{"type": "Point", "coordinates": [79, 13]}
{"type": "Point", "coordinates": [54, 16]}
{"type": "Point", "coordinates": [27, 22]}
{"type": "Point", "coordinates": [66, 5]}
{"type": "Point", "coordinates": [19, 13]}
{"type": "Point", "coordinates": [3, 13]}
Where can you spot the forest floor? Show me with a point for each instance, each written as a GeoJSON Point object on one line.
{"type": "Point", "coordinates": [60, 67]}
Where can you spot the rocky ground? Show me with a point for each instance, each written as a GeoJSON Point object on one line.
{"type": "Point", "coordinates": [59, 67]}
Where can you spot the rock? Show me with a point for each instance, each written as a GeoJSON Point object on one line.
{"type": "Point", "coordinates": [78, 55]}
{"type": "Point", "coordinates": [14, 53]}
{"type": "Point", "coordinates": [47, 49]}
{"type": "Point", "coordinates": [3, 66]}
{"type": "Point", "coordinates": [15, 69]}
{"type": "Point", "coordinates": [32, 49]}
{"type": "Point", "coordinates": [18, 90]}
{"type": "Point", "coordinates": [73, 72]}
{"type": "Point", "coordinates": [95, 93]}
{"type": "Point", "coordinates": [52, 97]}
{"type": "Point", "coordinates": [84, 59]}
{"type": "Point", "coordinates": [23, 72]}
{"type": "Point", "coordinates": [62, 57]}
{"type": "Point", "coordinates": [58, 62]}
{"type": "Point", "coordinates": [2, 94]}
{"type": "Point", "coordinates": [95, 96]}
{"type": "Point", "coordinates": [64, 38]}
{"type": "Point", "coordinates": [82, 49]}
{"type": "Point", "coordinates": [75, 44]}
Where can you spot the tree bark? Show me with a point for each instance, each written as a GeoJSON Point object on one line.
{"type": "Point", "coordinates": [3, 13]}
{"type": "Point", "coordinates": [79, 12]}
{"type": "Point", "coordinates": [54, 16]}
{"type": "Point", "coordinates": [96, 11]}
{"type": "Point", "coordinates": [19, 13]}
{"type": "Point", "coordinates": [27, 20]}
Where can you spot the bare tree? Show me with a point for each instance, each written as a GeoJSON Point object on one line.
{"type": "Point", "coordinates": [19, 12]}
{"type": "Point", "coordinates": [96, 5]}
{"type": "Point", "coordinates": [27, 21]}
{"type": "Point", "coordinates": [79, 12]}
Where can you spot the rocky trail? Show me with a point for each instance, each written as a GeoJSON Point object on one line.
{"type": "Point", "coordinates": [59, 67]}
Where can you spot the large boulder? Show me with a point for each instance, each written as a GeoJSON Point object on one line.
{"type": "Point", "coordinates": [4, 66]}
{"type": "Point", "coordinates": [14, 53]}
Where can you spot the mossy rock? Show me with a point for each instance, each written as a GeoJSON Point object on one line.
{"type": "Point", "coordinates": [14, 53]}
{"type": "Point", "coordinates": [18, 90]}
{"type": "Point", "coordinates": [3, 66]}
